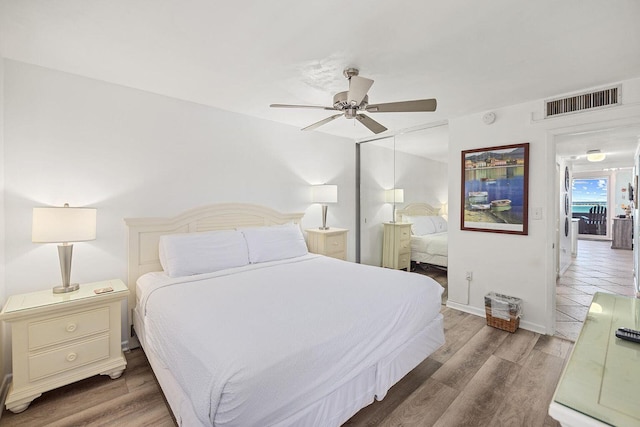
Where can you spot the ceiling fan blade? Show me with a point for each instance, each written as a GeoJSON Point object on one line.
{"type": "Point", "coordinates": [321, 122]}
{"type": "Point", "coordinates": [404, 106]}
{"type": "Point", "coordinates": [358, 88]}
{"type": "Point", "coordinates": [300, 106]}
{"type": "Point", "coordinates": [373, 126]}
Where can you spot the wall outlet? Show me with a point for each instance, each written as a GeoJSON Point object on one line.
{"type": "Point", "coordinates": [469, 276]}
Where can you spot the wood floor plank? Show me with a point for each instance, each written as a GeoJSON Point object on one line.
{"type": "Point", "coordinates": [477, 404]}
{"type": "Point", "coordinates": [530, 393]}
{"type": "Point", "coordinates": [56, 403]}
{"type": "Point", "coordinates": [143, 407]}
{"type": "Point", "coordinates": [464, 364]}
{"type": "Point", "coordinates": [424, 407]}
{"type": "Point", "coordinates": [458, 335]}
{"type": "Point", "coordinates": [554, 346]}
{"type": "Point", "coordinates": [373, 414]}
{"type": "Point", "coordinates": [517, 346]}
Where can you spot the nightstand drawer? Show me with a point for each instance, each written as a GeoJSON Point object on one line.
{"type": "Point", "coordinates": [69, 357]}
{"type": "Point", "coordinates": [335, 243]}
{"type": "Point", "coordinates": [405, 234]}
{"type": "Point", "coordinates": [66, 328]}
{"type": "Point", "coordinates": [404, 260]}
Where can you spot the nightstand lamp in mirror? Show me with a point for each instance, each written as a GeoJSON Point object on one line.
{"type": "Point", "coordinates": [64, 225]}
{"type": "Point", "coordinates": [394, 195]}
{"type": "Point", "coordinates": [324, 194]}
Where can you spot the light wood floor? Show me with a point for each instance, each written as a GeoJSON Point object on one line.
{"type": "Point", "coordinates": [481, 377]}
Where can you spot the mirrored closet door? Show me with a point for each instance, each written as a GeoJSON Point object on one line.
{"type": "Point", "coordinates": [401, 178]}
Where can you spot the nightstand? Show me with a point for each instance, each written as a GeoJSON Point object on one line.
{"type": "Point", "coordinates": [61, 338]}
{"type": "Point", "coordinates": [331, 242]}
{"type": "Point", "coordinates": [396, 252]}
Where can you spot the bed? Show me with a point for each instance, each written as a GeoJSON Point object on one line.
{"type": "Point", "coordinates": [429, 242]}
{"type": "Point", "coordinates": [287, 338]}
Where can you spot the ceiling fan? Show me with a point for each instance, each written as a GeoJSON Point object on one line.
{"type": "Point", "coordinates": [352, 102]}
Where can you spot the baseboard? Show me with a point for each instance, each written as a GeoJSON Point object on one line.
{"type": "Point", "coordinates": [529, 326]}
{"type": "Point", "coordinates": [466, 308]}
{"type": "Point", "coordinates": [4, 389]}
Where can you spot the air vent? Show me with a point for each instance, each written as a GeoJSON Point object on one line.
{"type": "Point", "coordinates": [585, 101]}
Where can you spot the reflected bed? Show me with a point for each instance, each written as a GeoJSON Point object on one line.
{"type": "Point", "coordinates": [429, 238]}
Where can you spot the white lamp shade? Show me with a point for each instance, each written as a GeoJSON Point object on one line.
{"type": "Point", "coordinates": [326, 193]}
{"type": "Point", "coordinates": [62, 225]}
{"type": "Point", "coordinates": [395, 195]}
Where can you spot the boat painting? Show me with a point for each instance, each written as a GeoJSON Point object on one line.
{"type": "Point", "coordinates": [500, 205]}
{"type": "Point", "coordinates": [495, 189]}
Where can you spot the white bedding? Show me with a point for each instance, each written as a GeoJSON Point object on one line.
{"type": "Point", "coordinates": [431, 244]}
{"type": "Point", "coordinates": [253, 345]}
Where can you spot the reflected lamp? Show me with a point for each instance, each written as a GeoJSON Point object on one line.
{"type": "Point", "coordinates": [394, 195]}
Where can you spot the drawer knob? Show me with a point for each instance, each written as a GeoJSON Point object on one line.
{"type": "Point", "coordinates": [71, 327]}
{"type": "Point", "coordinates": [335, 243]}
{"type": "Point", "coordinates": [71, 357]}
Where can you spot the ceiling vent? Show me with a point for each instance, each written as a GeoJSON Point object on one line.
{"type": "Point", "coordinates": [582, 102]}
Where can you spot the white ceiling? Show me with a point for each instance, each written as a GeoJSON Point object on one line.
{"type": "Point", "coordinates": [473, 56]}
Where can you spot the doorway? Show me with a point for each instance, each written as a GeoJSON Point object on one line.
{"type": "Point", "coordinates": [595, 266]}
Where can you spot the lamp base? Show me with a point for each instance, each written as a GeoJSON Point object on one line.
{"type": "Point", "coordinates": [65, 289]}
{"type": "Point", "coordinates": [323, 228]}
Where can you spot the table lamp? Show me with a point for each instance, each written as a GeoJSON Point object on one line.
{"type": "Point", "coordinates": [325, 193]}
{"type": "Point", "coordinates": [64, 225]}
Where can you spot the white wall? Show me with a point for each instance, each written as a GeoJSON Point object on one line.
{"type": "Point", "coordinates": [135, 154]}
{"type": "Point", "coordinates": [4, 349]}
{"type": "Point", "coordinates": [620, 191]}
{"type": "Point", "coordinates": [522, 266]}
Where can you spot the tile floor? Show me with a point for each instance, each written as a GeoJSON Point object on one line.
{"type": "Point", "coordinates": [597, 268]}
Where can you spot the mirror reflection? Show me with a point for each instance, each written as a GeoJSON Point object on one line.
{"type": "Point", "coordinates": [403, 201]}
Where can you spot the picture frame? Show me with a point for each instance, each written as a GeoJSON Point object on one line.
{"type": "Point", "coordinates": [495, 189]}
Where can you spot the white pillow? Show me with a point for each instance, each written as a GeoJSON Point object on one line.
{"type": "Point", "coordinates": [439, 223]}
{"type": "Point", "coordinates": [421, 225]}
{"type": "Point", "coordinates": [274, 243]}
{"type": "Point", "coordinates": [196, 253]}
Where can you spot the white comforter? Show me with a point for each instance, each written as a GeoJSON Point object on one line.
{"type": "Point", "coordinates": [252, 343]}
{"type": "Point", "coordinates": [432, 244]}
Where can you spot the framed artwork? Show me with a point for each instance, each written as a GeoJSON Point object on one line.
{"type": "Point", "coordinates": [495, 189]}
{"type": "Point", "coordinates": [566, 204]}
{"type": "Point", "coordinates": [566, 178]}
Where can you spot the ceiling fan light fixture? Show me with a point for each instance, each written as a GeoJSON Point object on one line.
{"type": "Point", "coordinates": [595, 156]}
{"type": "Point", "coordinates": [349, 103]}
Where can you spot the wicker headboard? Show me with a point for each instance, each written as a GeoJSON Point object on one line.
{"type": "Point", "coordinates": [416, 209]}
{"type": "Point", "coordinates": [143, 234]}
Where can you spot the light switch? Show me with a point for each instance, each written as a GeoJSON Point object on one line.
{"type": "Point", "coordinates": [537, 213]}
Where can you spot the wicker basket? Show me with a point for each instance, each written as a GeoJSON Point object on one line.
{"type": "Point", "coordinates": [506, 325]}
{"type": "Point", "coordinates": [504, 305]}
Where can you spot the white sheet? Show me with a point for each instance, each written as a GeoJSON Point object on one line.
{"type": "Point", "coordinates": [431, 244]}
{"type": "Point", "coordinates": [253, 345]}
